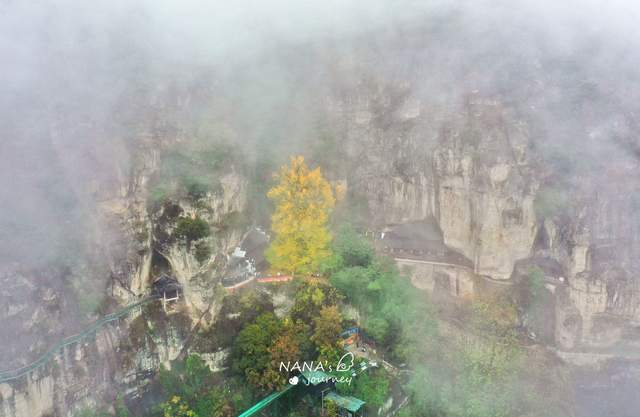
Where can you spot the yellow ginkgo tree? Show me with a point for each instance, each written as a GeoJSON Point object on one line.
{"type": "Point", "coordinates": [304, 200]}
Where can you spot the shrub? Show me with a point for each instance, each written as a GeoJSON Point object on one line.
{"type": "Point", "coordinates": [353, 249]}
{"type": "Point", "coordinates": [372, 385]}
{"type": "Point", "coordinates": [196, 188]}
{"type": "Point", "coordinates": [158, 194]}
{"type": "Point", "coordinates": [203, 252]}
{"type": "Point", "coordinates": [191, 229]}
{"type": "Point", "coordinates": [377, 328]}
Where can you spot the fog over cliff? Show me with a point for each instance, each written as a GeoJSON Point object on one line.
{"type": "Point", "coordinates": [74, 73]}
{"type": "Point", "coordinates": [93, 92]}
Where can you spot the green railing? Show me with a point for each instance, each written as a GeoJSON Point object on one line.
{"type": "Point", "coordinates": [12, 374]}
{"type": "Point", "coordinates": [265, 402]}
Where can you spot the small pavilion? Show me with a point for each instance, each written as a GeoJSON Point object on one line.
{"type": "Point", "coordinates": [347, 406]}
{"type": "Point", "coordinates": [168, 289]}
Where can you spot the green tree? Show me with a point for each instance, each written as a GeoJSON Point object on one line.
{"type": "Point", "coordinates": [191, 229]}
{"type": "Point", "coordinates": [353, 283]}
{"type": "Point", "coordinates": [188, 380]}
{"type": "Point", "coordinates": [310, 298]}
{"type": "Point", "coordinates": [215, 403]}
{"type": "Point", "coordinates": [371, 386]}
{"type": "Point", "coordinates": [352, 249]}
{"type": "Point", "coordinates": [192, 383]}
{"type": "Point", "coordinates": [252, 350]}
{"type": "Point", "coordinates": [377, 327]}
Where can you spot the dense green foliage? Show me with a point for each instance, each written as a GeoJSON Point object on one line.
{"type": "Point", "coordinates": [191, 229]}
{"type": "Point", "coordinates": [391, 313]}
{"type": "Point", "coordinates": [472, 375]}
{"type": "Point", "coordinates": [252, 351]}
{"type": "Point", "coordinates": [351, 250]}
{"type": "Point", "coordinates": [121, 408]}
{"type": "Point", "coordinates": [176, 407]}
{"type": "Point", "coordinates": [191, 388]}
{"type": "Point", "coordinates": [332, 409]}
{"type": "Point", "coordinates": [453, 376]}
{"type": "Point", "coordinates": [310, 332]}
{"type": "Point", "coordinates": [372, 385]}
{"type": "Point", "coordinates": [237, 311]}
{"type": "Point", "coordinates": [202, 251]}
{"type": "Point", "coordinates": [309, 299]}
{"type": "Point", "coordinates": [474, 372]}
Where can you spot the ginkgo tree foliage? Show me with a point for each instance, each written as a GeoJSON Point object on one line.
{"type": "Point", "coordinates": [304, 200]}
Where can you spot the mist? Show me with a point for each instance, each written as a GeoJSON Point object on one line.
{"type": "Point", "coordinates": [89, 87]}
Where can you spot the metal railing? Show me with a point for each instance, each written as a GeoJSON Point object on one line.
{"type": "Point", "coordinates": [11, 374]}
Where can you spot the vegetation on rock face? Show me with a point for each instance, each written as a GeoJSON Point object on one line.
{"type": "Point", "coordinates": [176, 408]}
{"type": "Point", "coordinates": [232, 220]}
{"type": "Point", "coordinates": [121, 408]}
{"type": "Point", "coordinates": [551, 202]}
{"type": "Point", "coordinates": [475, 373]}
{"type": "Point", "coordinates": [202, 251]}
{"type": "Point", "coordinates": [191, 170]}
{"type": "Point", "coordinates": [191, 389]}
{"type": "Point", "coordinates": [535, 286]}
{"type": "Point", "coordinates": [237, 311]}
{"type": "Point", "coordinates": [303, 200]}
{"type": "Point", "coordinates": [89, 412]}
{"type": "Point", "coordinates": [120, 411]}
{"type": "Point", "coordinates": [191, 229]}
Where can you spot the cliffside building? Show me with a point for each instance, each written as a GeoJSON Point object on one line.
{"type": "Point", "coordinates": [247, 260]}
{"type": "Point", "coordinates": [167, 289]}
{"type": "Point", "coordinates": [418, 248]}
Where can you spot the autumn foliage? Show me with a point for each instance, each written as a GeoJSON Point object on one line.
{"type": "Point", "coordinates": [303, 200]}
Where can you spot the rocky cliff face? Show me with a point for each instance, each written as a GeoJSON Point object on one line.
{"type": "Point", "coordinates": [471, 161]}
{"type": "Point", "coordinates": [485, 189]}
{"type": "Point", "coordinates": [199, 272]}
{"type": "Point", "coordinates": [130, 243]}
{"type": "Point", "coordinates": [600, 305]}
{"type": "Point", "coordinates": [119, 359]}
{"type": "Point", "coordinates": [475, 170]}
{"type": "Point", "coordinates": [469, 169]}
